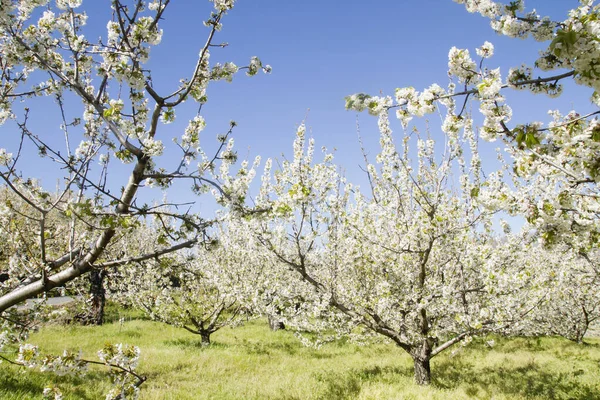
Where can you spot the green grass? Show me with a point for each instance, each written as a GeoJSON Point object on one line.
{"type": "Point", "coordinates": [251, 362]}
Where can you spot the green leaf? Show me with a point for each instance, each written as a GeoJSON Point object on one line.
{"type": "Point", "coordinates": [596, 134]}
{"type": "Point", "coordinates": [162, 240]}
{"type": "Point", "coordinates": [531, 139]}
{"type": "Point", "coordinates": [566, 39]}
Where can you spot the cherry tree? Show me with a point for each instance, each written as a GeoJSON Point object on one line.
{"type": "Point", "coordinates": [110, 116]}
{"type": "Point", "coordinates": [573, 302]}
{"type": "Point", "coordinates": [413, 258]}
{"type": "Point", "coordinates": [201, 290]}
{"type": "Point", "coordinates": [185, 292]}
{"type": "Point", "coordinates": [45, 54]}
{"type": "Point", "coordinates": [559, 160]}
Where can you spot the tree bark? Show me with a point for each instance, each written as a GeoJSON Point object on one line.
{"type": "Point", "coordinates": [275, 324]}
{"type": "Point", "coordinates": [422, 371]}
{"type": "Point", "coordinates": [421, 355]}
{"type": "Point", "coordinates": [94, 315]}
{"type": "Point", "coordinates": [98, 297]}
{"type": "Point", "coordinates": [205, 335]}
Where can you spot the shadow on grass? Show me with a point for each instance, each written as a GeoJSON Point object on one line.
{"type": "Point", "coordinates": [527, 381]}
{"type": "Point", "coordinates": [248, 346]}
{"type": "Point", "coordinates": [322, 355]}
{"type": "Point", "coordinates": [193, 343]}
{"type": "Point", "coordinates": [348, 384]}
{"type": "Point", "coordinates": [16, 385]}
{"type": "Point", "coordinates": [530, 381]}
{"type": "Point", "coordinates": [538, 344]}
{"type": "Point", "coordinates": [269, 348]}
{"type": "Point", "coordinates": [290, 348]}
{"type": "Point", "coordinates": [114, 312]}
{"type": "Point", "coordinates": [131, 334]}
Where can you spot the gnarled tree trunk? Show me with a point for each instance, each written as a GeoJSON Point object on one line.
{"type": "Point", "coordinates": [94, 315]}
{"type": "Point", "coordinates": [205, 335]}
{"type": "Point", "coordinates": [422, 362]}
{"type": "Point", "coordinates": [98, 297]}
{"type": "Point", "coordinates": [422, 371]}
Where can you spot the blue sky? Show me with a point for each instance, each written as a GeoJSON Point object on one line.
{"type": "Point", "coordinates": [320, 52]}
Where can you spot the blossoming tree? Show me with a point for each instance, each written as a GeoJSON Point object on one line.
{"type": "Point", "coordinates": [559, 160]}
{"type": "Point", "coordinates": [202, 290]}
{"type": "Point", "coordinates": [573, 303]}
{"type": "Point", "coordinates": [110, 112]}
{"type": "Point", "coordinates": [46, 54]}
{"type": "Point", "coordinates": [412, 259]}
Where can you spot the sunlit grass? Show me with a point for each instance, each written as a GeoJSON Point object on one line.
{"type": "Point", "coordinates": [251, 362]}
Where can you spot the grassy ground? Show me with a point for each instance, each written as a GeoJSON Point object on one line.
{"type": "Point", "coordinates": [251, 362]}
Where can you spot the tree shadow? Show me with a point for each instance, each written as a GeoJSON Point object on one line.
{"type": "Point", "coordinates": [130, 334]}
{"type": "Point", "coordinates": [339, 385]}
{"type": "Point", "coordinates": [321, 355]}
{"type": "Point", "coordinates": [9, 384]}
{"type": "Point", "coordinates": [193, 343]}
{"type": "Point", "coordinates": [526, 381]}
{"type": "Point", "coordinates": [268, 348]}
{"type": "Point", "coordinates": [538, 344]}
{"type": "Point", "coordinates": [529, 381]}
{"type": "Point", "coordinates": [347, 385]}
{"type": "Point", "coordinates": [31, 384]}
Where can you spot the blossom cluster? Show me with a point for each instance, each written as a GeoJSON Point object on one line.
{"type": "Point", "coordinates": [120, 355]}
{"type": "Point", "coordinates": [120, 358]}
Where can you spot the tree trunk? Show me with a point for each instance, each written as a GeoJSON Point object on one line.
{"type": "Point", "coordinates": [422, 358]}
{"type": "Point", "coordinates": [98, 297]}
{"type": "Point", "coordinates": [94, 315]}
{"type": "Point", "coordinates": [579, 336]}
{"type": "Point", "coordinates": [205, 335]}
{"type": "Point", "coordinates": [275, 324]}
{"type": "Point", "coordinates": [422, 371]}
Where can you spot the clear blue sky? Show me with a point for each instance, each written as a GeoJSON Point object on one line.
{"type": "Point", "coordinates": [321, 51]}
